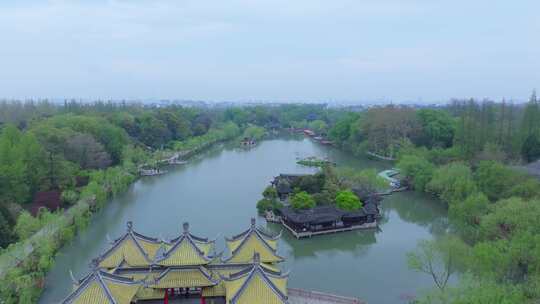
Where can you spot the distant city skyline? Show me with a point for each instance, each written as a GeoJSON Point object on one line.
{"type": "Point", "coordinates": [342, 51]}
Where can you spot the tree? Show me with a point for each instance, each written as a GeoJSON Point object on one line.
{"type": "Point", "coordinates": [493, 179]}
{"type": "Point", "coordinates": [270, 193]}
{"type": "Point", "coordinates": [318, 126]}
{"type": "Point", "coordinates": [453, 183]}
{"type": "Point", "coordinates": [178, 127]}
{"type": "Point", "coordinates": [417, 169]}
{"type": "Point", "coordinates": [438, 128]}
{"type": "Point", "coordinates": [254, 132]}
{"type": "Point", "coordinates": [438, 258]}
{"type": "Point", "coordinates": [367, 179]}
{"type": "Point", "coordinates": [467, 214]}
{"type": "Point", "coordinates": [341, 131]}
{"type": "Point", "coordinates": [347, 200]}
{"type": "Point", "coordinates": [386, 128]}
{"type": "Point", "coordinates": [26, 225]}
{"type": "Point", "coordinates": [530, 150]}
{"type": "Point", "coordinates": [152, 131]}
{"type": "Point", "coordinates": [6, 235]}
{"type": "Point", "coordinates": [302, 200]}
{"type": "Point", "coordinates": [14, 172]}
{"type": "Point", "coordinates": [87, 152]}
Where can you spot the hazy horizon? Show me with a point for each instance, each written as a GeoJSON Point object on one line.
{"type": "Point", "coordinates": [276, 51]}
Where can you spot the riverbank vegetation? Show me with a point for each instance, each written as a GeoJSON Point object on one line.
{"type": "Point", "coordinates": [71, 158]}
{"type": "Point", "coordinates": [74, 157]}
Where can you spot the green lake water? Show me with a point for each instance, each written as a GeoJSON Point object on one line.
{"type": "Point", "coordinates": [217, 191]}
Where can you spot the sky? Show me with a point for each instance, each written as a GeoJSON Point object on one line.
{"type": "Point", "coordinates": [277, 51]}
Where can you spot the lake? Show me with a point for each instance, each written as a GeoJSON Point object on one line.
{"type": "Point", "coordinates": [216, 192]}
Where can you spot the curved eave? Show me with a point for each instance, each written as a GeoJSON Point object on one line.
{"type": "Point", "coordinates": [99, 277]}
{"type": "Point", "coordinates": [246, 237]}
{"type": "Point", "coordinates": [119, 241]}
{"type": "Point", "coordinates": [178, 243]}
{"type": "Point", "coordinates": [258, 271]}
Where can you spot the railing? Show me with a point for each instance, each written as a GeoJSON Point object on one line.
{"type": "Point", "coordinates": [320, 296]}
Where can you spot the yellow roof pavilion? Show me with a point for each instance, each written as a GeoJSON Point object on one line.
{"type": "Point", "coordinates": [254, 283]}
{"type": "Point", "coordinates": [244, 245]}
{"type": "Point", "coordinates": [100, 287]}
{"type": "Point", "coordinates": [186, 249]}
{"type": "Point", "coordinates": [131, 250]}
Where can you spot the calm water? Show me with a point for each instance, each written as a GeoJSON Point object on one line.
{"type": "Point", "coordinates": [217, 191]}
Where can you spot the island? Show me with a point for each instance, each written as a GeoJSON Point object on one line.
{"type": "Point", "coordinates": [315, 204]}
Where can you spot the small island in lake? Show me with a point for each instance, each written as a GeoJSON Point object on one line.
{"type": "Point", "coordinates": [313, 161]}
{"type": "Point", "coordinates": [322, 203]}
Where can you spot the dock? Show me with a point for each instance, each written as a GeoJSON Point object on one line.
{"type": "Point", "coordinates": [308, 234]}
{"type": "Point", "coordinates": [300, 296]}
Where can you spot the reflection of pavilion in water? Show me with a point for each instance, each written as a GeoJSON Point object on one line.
{"type": "Point", "coordinates": [356, 242]}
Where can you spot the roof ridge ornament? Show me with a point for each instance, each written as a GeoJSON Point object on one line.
{"type": "Point", "coordinates": [75, 281]}
{"type": "Point", "coordinates": [253, 222]}
{"type": "Point", "coordinates": [94, 264]}
{"type": "Point", "coordinates": [185, 226]}
{"type": "Point", "coordinates": [129, 225]}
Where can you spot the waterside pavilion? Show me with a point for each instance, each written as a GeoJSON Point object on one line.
{"type": "Point", "coordinates": [186, 269]}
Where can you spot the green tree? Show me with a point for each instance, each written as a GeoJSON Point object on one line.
{"type": "Point", "coordinates": [347, 200]}
{"type": "Point", "coordinates": [270, 193]}
{"type": "Point", "coordinates": [342, 130]}
{"type": "Point", "coordinates": [416, 169]}
{"type": "Point", "coordinates": [26, 225]}
{"type": "Point", "coordinates": [6, 234]}
{"type": "Point", "coordinates": [14, 172]}
{"type": "Point", "coordinates": [493, 179]}
{"type": "Point", "coordinates": [302, 200]}
{"type": "Point", "coordinates": [318, 126]}
{"type": "Point", "coordinates": [254, 132]}
{"type": "Point", "coordinates": [453, 183]}
{"type": "Point", "coordinates": [468, 213]}
{"type": "Point", "coordinates": [530, 150]}
{"type": "Point", "coordinates": [438, 128]}
{"type": "Point", "coordinates": [438, 258]}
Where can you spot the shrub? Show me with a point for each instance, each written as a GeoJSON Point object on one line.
{"type": "Point", "coordinates": [302, 200]}
{"type": "Point", "coordinates": [347, 200]}
{"type": "Point", "coordinates": [452, 183]}
{"type": "Point", "coordinates": [418, 170]}
{"type": "Point", "coordinates": [69, 197]}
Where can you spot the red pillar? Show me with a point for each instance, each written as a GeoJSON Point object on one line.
{"type": "Point", "coordinates": [203, 301]}
{"type": "Point", "coordinates": [166, 297]}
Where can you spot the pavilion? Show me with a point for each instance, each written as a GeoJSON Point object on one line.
{"type": "Point", "coordinates": [139, 269]}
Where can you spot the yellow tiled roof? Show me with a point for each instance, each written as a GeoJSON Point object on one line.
{"type": "Point", "coordinates": [245, 244]}
{"type": "Point", "coordinates": [251, 244]}
{"type": "Point", "coordinates": [122, 293]}
{"type": "Point", "coordinates": [146, 293]}
{"type": "Point", "coordinates": [184, 252]}
{"type": "Point", "coordinates": [125, 250]}
{"type": "Point", "coordinates": [94, 293]}
{"type": "Point", "coordinates": [257, 289]}
{"type": "Point", "coordinates": [183, 278]}
{"type": "Point", "coordinates": [103, 288]}
{"type": "Point", "coordinates": [253, 284]}
{"type": "Point", "coordinates": [133, 249]}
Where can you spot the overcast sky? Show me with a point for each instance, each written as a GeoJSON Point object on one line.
{"type": "Point", "coordinates": [280, 50]}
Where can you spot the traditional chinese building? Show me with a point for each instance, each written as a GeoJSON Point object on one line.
{"type": "Point", "coordinates": [141, 269]}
